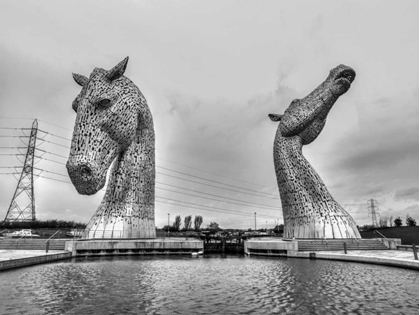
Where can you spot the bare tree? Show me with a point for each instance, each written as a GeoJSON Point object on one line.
{"type": "Point", "coordinates": [187, 222]}
{"type": "Point", "coordinates": [198, 220]}
{"type": "Point", "coordinates": [383, 221]}
{"type": "Point", "coordinates": [177, 223]}
{"type": "Point", "coordinates": [391, 221]}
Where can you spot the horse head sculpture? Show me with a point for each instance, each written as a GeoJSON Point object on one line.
{"type": "Point", "coordinates": [114, 123]}
{"type": "Point", "coordinates": [309, 210]}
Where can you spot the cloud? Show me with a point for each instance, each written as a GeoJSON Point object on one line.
{"type": "Point", "coordinates": [407, 194]}
{"type": "Point", "coordinates": [379, 149]}
{"type": "Point", "coordinates": [412, 210]}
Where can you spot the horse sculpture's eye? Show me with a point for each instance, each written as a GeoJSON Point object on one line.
{"type": "Point", "coordinates": [105, 103]}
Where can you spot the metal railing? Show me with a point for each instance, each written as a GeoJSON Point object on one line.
{"type": "Point", "coordinates": [47, 242]}
{"type": "Point", "coordinates": [383, 236]}
{"type": "Point", "coordinates": [17, 242]}
{"type": "Point", "coordinates": [115, 234]}
{"type": "Point", "coordinates": [77, 233]}
{"type": "Point", "coordinates": [355, 239]}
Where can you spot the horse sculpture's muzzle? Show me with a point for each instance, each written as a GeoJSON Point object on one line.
{"type": "Point", "coordinates": [85, 177]}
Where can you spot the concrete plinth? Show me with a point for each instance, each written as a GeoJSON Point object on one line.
{"type": "Point", "coordinates": [270, 247]}
{"type": "Point", "coordinates": [167, 246]}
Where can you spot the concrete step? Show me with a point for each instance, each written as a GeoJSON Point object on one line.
{"type": "Point", "coordinates": [322, 245]}
{"type": "Point", "coordinates": [31, 244]}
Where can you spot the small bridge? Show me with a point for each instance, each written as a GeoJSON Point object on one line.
{"type": "Point", "coordinates": [225, 244]}
{"type": "Point", "coordinates": [221, 244]}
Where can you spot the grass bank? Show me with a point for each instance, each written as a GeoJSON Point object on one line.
{"type": "Point", "coordinates": [409, 235]}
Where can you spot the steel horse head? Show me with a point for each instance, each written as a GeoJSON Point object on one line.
{"type": "Point", "coordinates": [114, 123]}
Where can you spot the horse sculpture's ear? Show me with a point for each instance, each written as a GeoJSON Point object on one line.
{"type": "Point", "coordinates": [275, 117]}
{"type": "Point", "coordinates": [80, 79]}
{"type": "Point", "coordinates": [118, 70]}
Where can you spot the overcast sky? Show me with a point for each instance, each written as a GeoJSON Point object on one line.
{"type": "Point", "coordinates": [211, 72]}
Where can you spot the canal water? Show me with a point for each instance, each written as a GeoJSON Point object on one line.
{"type": "Point", "coordinates": [208, 285]}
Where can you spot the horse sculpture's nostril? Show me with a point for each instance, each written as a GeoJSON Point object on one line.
{"type": "Point", "coordinates": [85, 171]}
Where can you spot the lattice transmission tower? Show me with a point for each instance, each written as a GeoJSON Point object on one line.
{"type": "Point", "coordinates": [22, 206]}
{"type": "Point", "coordinates": [373, 211]}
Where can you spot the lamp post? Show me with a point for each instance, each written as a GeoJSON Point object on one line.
{"type": "Point", "coordinates": [168, 223]}
{"type": "Point", "coordinates": [255, 228]}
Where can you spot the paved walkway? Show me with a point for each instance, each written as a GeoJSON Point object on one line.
{"type": "Point", "coordinates": [394, 254]}
{"type": "Point", "coordinates": [7, 254]}
{"type": "Point", "coordinates": [396, 258]}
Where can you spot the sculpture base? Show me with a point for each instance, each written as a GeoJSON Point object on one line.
{"type": "Point", "coordinates": [119, 228]}
{"type": "Point", "coordinates": [291, 247]}
{"type": "Point", "coordinates": [166, 246]}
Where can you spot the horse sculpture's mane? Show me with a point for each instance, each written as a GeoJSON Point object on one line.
{"type": "Point", "coordinates": [114, 124]}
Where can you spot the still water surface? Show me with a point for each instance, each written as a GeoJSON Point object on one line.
{"type": "Point", "coordinates": [209, 285]}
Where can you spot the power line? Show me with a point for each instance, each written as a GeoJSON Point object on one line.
{"type": "Point", "coordinates": [64, 146]}
{"type": "Point", "coordinates": [42, 158]}
{"type": "Point", "coordinates": [198, 177]}
{"type": "Point", "coordinates": [186, 204]}
{"type": "Point", "coordinates": [266, 207]}
{"type": "Point", "coordinates": [7, 128]}
{"type": "Point", "coordinates": [54, 125]}
{"type": "Point", "coordinates": [239, 180]}
{"type": "Point", "coordinates": [198, 208]}
{"type": "Point", "coordinates": [18, 118]}
{"type": "Point", "coordinates": [51, 134]}
{"type": "Point", "coordinates": [196, 191]}
{"type": "Point", "coordinates": [35, 168]}
{"type": "Point", "coordinates": [67, 182]}
{"type": "Point", "coordinates": [11, 154]}
{"type": "Point", "coordinates": [58, 180]}
{"type": "Point", "coordinates": [213, 181]}
{"type": "Point", "coordinates": [223, 188]}
{"type": "Point", "coordinates": [215, 209]}
{"type": "Point", "coordinates": [178, 192]}
{"type": "Point", "coordinates": [25, 148]}
{"type": "Point", "coordinates": [52, 153]}
{"type": "Point", "coordinates": [259, 194]}
{"type": "Point", "coordinates": [191, 181]}
{"type": "Point", "coordinates": [221, 183]}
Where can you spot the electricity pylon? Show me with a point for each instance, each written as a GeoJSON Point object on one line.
{"type": "Point", "coordinates": [19, 209]}
{"type": "Point", "coordinates": [373, 206]}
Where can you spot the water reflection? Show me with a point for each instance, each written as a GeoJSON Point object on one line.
{"type": "Point", "coordinates": [209, 285]}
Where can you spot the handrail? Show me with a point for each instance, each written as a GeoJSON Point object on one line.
{"type": "Point", "coordinates": [52, 236]}
{"type": "Point", "coordinates": [80, 233]}
{"type": "Point", "coordinates": [324, 239]}
{"type": "Point", "coordinates": [47, 242]}
{"type": "Point", "coordinates": [376, 231]}
{"type": "Point", "coordinates": [17, 242]}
